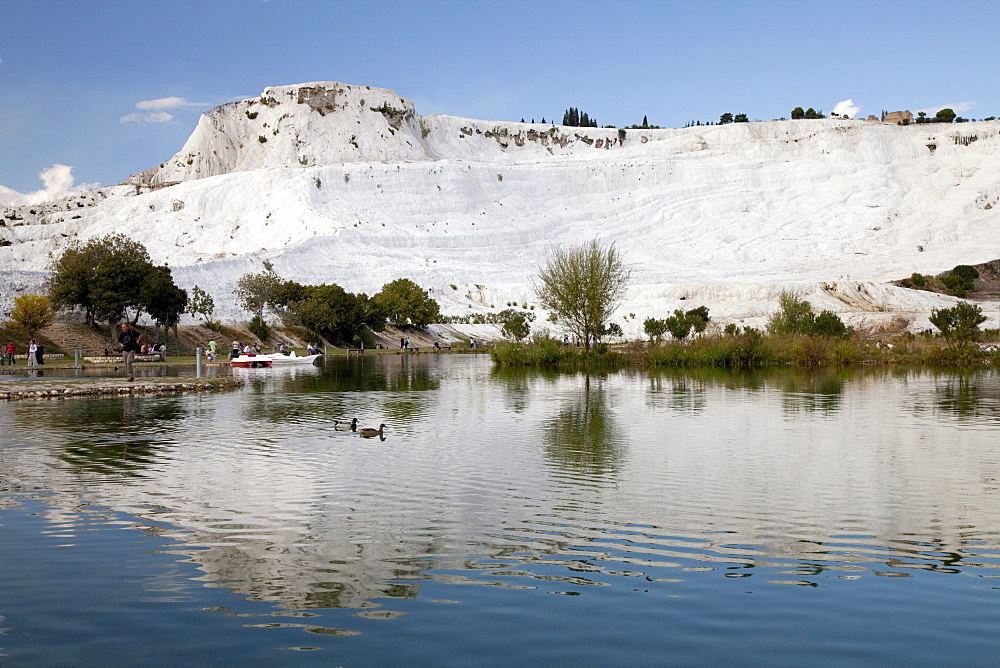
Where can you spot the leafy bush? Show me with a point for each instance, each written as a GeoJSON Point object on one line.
{"type": "Point", "coordinates": [681, 323]}
{"type": "Point", "coordinates": [960, 323]}
{"type": "Point", "coordinates": [654, 328]}
{"type": "Point", "coordinates": [262, 139]}
{"type": "Point", "coordinates": [829, 324]}
{"type": "Point", "coordinates": [549, 352]}
{"type": "Point", "coordinates": [515, 325]}
{"type": "Point", "coordinates": [961, 280]}
{"type": "Point", "coordinates": [796, 317]}
{"type": "Point", "coordinates": [918, 280]}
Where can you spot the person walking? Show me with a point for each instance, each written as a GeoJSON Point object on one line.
{"type": "Point", "coordinates": [128, 341]}
{"type": "Point", "coordinates": [9, 352]}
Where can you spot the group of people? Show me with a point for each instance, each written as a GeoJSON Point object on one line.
{"type": "Point", "coordinates": [36, 353]}
{"type": "Point", "coordinates": [235, 350]}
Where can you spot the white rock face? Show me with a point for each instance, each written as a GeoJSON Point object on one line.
{"type": "Point", "coordinates": [352, 186]}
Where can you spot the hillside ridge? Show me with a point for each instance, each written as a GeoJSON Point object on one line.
{"type": "Point", "coordinates": [349, 184]}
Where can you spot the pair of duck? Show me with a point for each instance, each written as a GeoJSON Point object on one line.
{"type": "Point", "coordinates": [366, 432]}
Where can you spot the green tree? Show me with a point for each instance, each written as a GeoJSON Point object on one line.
{"type": "Point", "coordinates": [654, 328]}
{"type": "Point", "coordinates": [334, 313]}
{"type": "Point", "coordinates": [829, 324]}
{"type": "Point", "coordinates": [104, 277]}
{"type": "Point", "coordinates": [256, 291]}
{"type": "Point", "coordinates": [961, 280]}
{"type": "Point", "coordinates": [403, 301]}
{"type": "Point", "coordinates": [794, 317]}
{"type": "Point", "coordinates": [959, 323]}
{"type": "Point", "coordinates": [725, 118]}
{"type": "Point", "coordinates": [582, 286]}
{"type": "Point", "coordinates": [678, 325]}
{"type": "Point", "coordinates": [200, 303]}
{"type": "Point", "coordinates": [514, 324]}
{"type": "Point", "coordinates": [798, 113]}
{"type": "Point", "coordinates": [72, 276]}
{"type": "Point", "coordinates": [681, 323]}
{"type": "Point", "coordinates": [741, 118]}
{"type": "Point", "coordinates": [162, 299]}
{"type": "Point", "coordinates": [945, 115]}
{"type": "Point", "coordinates": [32, 313]}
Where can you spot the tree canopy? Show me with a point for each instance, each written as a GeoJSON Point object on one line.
{"type": "Point", "coordinates": [256, 291]}
{"type": "Point", "coordinates": [32, 313]}
{"type": "Point", "coordinates": [582, 286]}
{"type": "Point", "coordinates": [681, 323]}
{"type": "Point", "coordinates": [959, 323]}
{"type": "Point", "coordinates": [514, 324]}
{"type": "Point", "coordinates": [574, 118]}
{"type": "Point", "coordinates": [404, 302]}
{"type": "Point", "coordinates": [108, 276]}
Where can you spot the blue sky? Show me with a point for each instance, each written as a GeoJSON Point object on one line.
{"type": "Point", "coordinates": [73, 72]}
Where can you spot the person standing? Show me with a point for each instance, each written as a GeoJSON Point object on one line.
{"type": "Point", "coordinates": [128, 341]}
{"type": "Point", "coordinates": [32, 349]}
{"type": "Point", "coordinates": [40, 353]}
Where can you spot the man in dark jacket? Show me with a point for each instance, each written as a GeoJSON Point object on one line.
{"type": "Point", "coordinates": [128, 341]}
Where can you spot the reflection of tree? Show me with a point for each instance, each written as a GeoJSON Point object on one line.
{"type": "Point", "coordinates": [962, 396]}
{"type": "Point", "coordinates": [812, 391]}
{"type": "Point", "coordinates": [677, 391]}
{"type": "Point", "coordinates": [518, 383]}
{"type": "Point", "coordinates": [583, 436]}
{"type": "Point", "coordinates": [313, 396]}
{"type": "Point", "coordinates": [117, 438]}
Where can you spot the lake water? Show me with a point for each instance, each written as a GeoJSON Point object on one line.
{"type": "Point", "coordinates": [507, 518]}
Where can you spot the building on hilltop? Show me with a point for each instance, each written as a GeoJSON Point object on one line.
{"type": "Point", "coordinates": [898, 118]}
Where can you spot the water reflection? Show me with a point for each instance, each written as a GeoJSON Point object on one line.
{"type": "Point", "coordinates": [582, 437]}
{"type": "Point", "coordinates": [814, 391]}
{"type": "Point", "coordinates": [522, 480]}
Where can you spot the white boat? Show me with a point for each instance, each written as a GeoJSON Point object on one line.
{"type": "Point", "coordinates": [280, 358]}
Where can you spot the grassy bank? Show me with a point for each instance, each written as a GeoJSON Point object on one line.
{"type": "Point", "coordinates": [752, 351]}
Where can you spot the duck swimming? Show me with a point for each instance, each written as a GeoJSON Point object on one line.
{"type": "Point", "coordinates": [343, 425]}
{"type": "Point", "coordinates": [368, 432]}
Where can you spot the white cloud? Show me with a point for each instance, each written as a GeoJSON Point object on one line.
{"type": "Point", "coordinates": [155, 110]}
{"type": "Point", "coordinates": [957, 107]}
{"type": "Point", "coordinates": [58, 182]}
{"type": "Point", "coordinates": [152, 117]}
{"type": "Point", "coordinates": [846, 108]}
{"type": "Point", "coordinates": [167, 103]}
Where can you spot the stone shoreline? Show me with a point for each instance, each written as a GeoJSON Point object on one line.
{"type": "Point", "coordinates": [104, 387]}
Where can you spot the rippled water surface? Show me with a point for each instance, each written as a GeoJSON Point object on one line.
{"type": "Point", "coordinates": [507, 518]}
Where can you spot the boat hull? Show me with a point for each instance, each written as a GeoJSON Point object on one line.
{"type": "Point", "coordinates": [251, 361]}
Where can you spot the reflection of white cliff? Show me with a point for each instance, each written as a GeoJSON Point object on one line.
{"type": "Point", "coordinates": [292, 512]}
